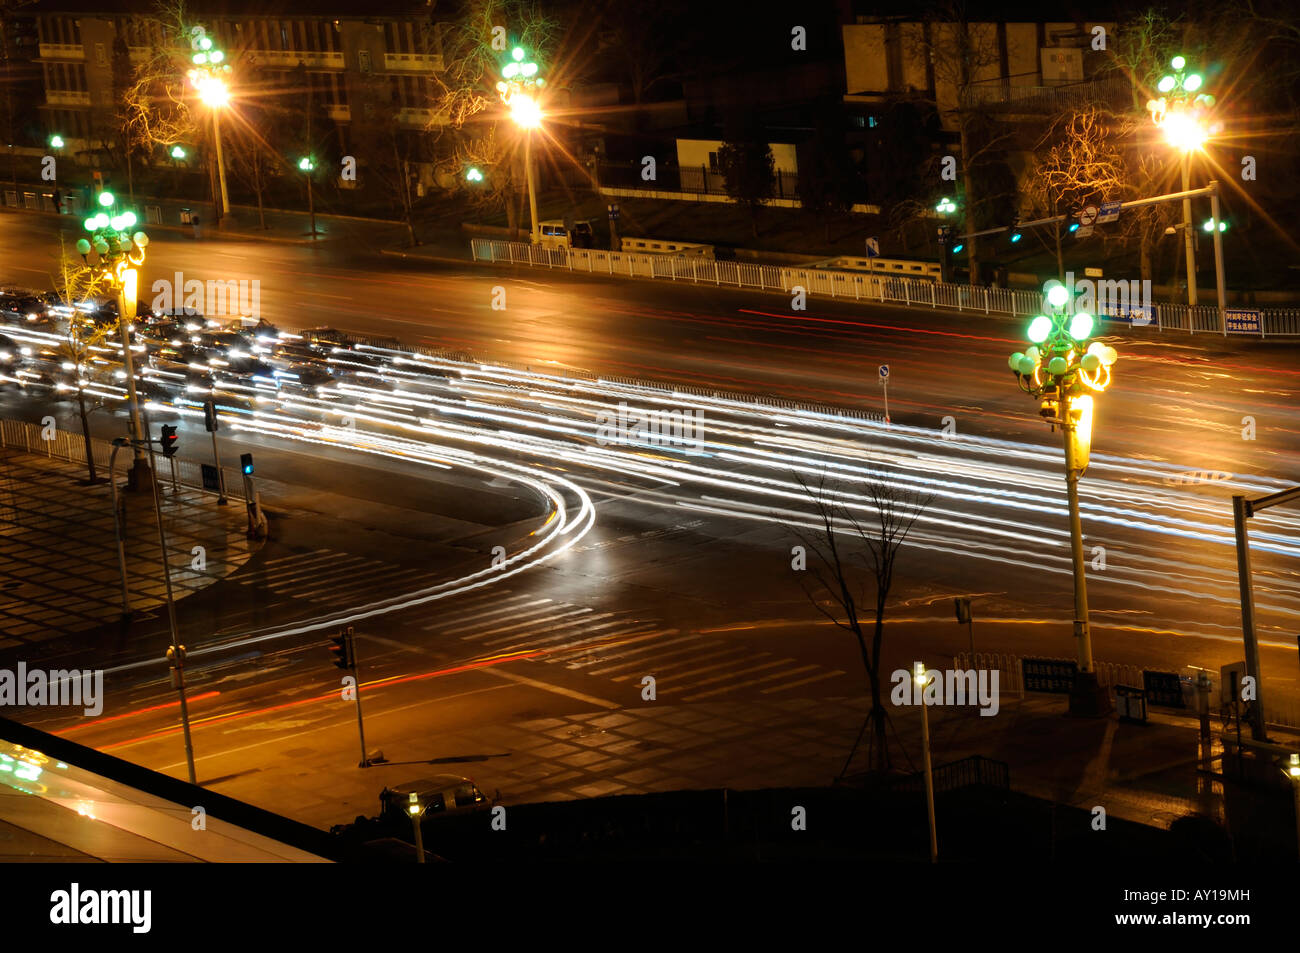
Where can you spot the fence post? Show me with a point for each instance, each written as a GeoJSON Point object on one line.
{"type": "Point", "coordinates": [934, 303]}
{"type": "Point", "coordinates": [1020, 677]}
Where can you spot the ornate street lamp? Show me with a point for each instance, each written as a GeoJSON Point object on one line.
{"type": "Point", "coordinates": [1063, 370]}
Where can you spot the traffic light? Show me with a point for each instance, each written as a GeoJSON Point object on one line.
{"type": "Point", "coordinates": [168, 439]}
{"type": "Point", "coordinates": [341, 649]}
{"type": "Point", "coordinates": [1015, 229]}
{"type": "Point", "coordinates": [210, 416]}
{"type": "Point", "coordinates": [246, 463]}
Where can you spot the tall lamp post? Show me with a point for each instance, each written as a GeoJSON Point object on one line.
{"type": "Point", "coordinates": [1180, 114]}
{"type": "Point", "coordinates": [306, 166]}
{"type": "Point", "coordinates": [1063, 371]}
{"type": "Point", "coordinates": [208, 79]}
{"type": "Point", "coordinates": [119, 254]}
{"type": "Point", "coordinates": [519, 88]}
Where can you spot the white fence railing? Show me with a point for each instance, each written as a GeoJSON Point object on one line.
{"type": "Point", "coordinates": [70, 447]}
{"type": "Point", "coordinates": [886, 289]}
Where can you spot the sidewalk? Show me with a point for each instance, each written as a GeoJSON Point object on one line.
{"type": "Point", "coordinates": [59, 569]}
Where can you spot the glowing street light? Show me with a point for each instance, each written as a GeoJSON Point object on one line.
{"type": "Point", "coordinates": [1181, 115]}
{"type": "Point", "coordinates": [518, 87]}
{"type": "Point", "coordinates": [178, 153]}
{"type": "Point", "coordinates": [1064, 370]}
{"type": "Point", "coordinates": [473, 175]}
{"type": "Point", "coordinates": [208, 77]}
{"type": "Point", "coordinates": [56, 142]}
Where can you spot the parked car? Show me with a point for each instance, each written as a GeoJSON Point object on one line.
{"type": "Point", "coordinates": [439, 795]}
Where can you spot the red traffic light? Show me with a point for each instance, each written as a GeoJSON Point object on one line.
{"type": "Point", "coordinates": [168, 439]}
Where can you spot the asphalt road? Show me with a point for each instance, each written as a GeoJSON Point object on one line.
{"type": "Point", "coordinates": [686, 554]}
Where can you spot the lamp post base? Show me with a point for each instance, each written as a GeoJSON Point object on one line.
{"type": "Point", "coordinates": [139, 479]}
{"type": "Point", "coordinates": [1088, 699]}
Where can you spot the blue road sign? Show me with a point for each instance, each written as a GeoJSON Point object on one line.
{"type": "Point", "coordinates": [1108, 212]}
{"type": "Point", "coordinates": [884, 372]}
{"type": "Point", "coordinates": [1239, 321]}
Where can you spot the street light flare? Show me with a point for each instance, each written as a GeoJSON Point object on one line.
{"type": "Point", "coordinates": [525, 111]}
{"type": "Point", "coordinates": [212, 90]}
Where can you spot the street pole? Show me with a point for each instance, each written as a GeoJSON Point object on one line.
{"type": "Point", "coordinates": [419, 835]}
{"type": "Point", "coordinates": [1188, 237]}
{"type": "Point", "coordinates": [356, 676]}
{"type": "Point", "coordinates": [311, 204]}
{"type": "Point", "coordinates": [171, 621]}
{"type": "Point", "coordinates": [1220, 281]}
{"type": "Point", "coordinates": [922, 682]}
{"type": "Point", "coordinates": [221, 477]}
{"type": "Point", "coordinates": [532, 185]}
{"type": "Point", "coordinates": [221, 163]}
{"type": "Point", "coordinates": [139, 468]}
{"type": "Point", "coordinates": [1087, 698]}
{"type": "Point", "coordinates": [117, 529]}
{"type": "Point", "coordinates": [1241, 510]}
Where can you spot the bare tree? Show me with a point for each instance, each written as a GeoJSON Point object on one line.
{"type": "Point", "coordinates": [1077, 161]}
{"type": "Point", "coordinates": [856, 544]}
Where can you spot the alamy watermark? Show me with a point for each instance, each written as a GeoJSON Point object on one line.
{"type": "Point", "coordinates": [651, 428]}
{"type": "Point", "coordinates": [234, 298]}
{"type": "Point", "coordinates": [951, 687]}
{"type": "Point", "coordinates": [24, 687]}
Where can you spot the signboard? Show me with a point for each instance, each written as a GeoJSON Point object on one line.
{"type": "Point", "coordinates": [1092, 273]}
{"type": "Point", "coordinates": [884, 372]}
{"type": "Point", "coordinates": [1088, 216]}
{"type": "Point", "coordinates": [873, 247]}
{"type": "Point", "coordinates": [1108, 213]}
{"type": "Point", "coordinates": [1164, 688]}
{"type": "Point", "coordinates": [211, 479]}
{"type": "Point", "coordinates": [1049, 675]}
{"type": "Point", "coordinates": [1083, 231]}
{"type": "Point", "coordinates": [613, 210]}
{"type": "Point", "coordinates": [1138, 315]}
{"type": "Point", "coordinates": [1239, 321]}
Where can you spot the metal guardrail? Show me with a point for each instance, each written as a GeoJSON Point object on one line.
{"type": "Point", "coordinates": [885, 289]}
{"type": "Point", "coordinates": [70, 447]}
{"type": "Point", "coordinates": [968, 772]}
{"type": "Point", "coordinates": [1280, 714]}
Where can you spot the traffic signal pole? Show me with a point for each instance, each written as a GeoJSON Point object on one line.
{"type": "Point", "coordinates": [345, 649]}
{"type": "Point", "coordinates": [177, 651]}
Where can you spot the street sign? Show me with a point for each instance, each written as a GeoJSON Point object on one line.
{"type": "Point", "coordinates": [1164, 688]}
{"type": "Point", "coordinates": [211, 478]}
{"type": "Point", "coordinates": [1083, 231]}
{"type": "Point", "coordinates": [1239, 321]}
{"type": "Point", "coordinates": [613, 210]}
{"type": "Point", "coordinates": [1049, 675]}
{"type": "Point", "coordinates": [1092, 272]}
{"type": "Point", "coordinates": [1108, 213]}
{"type": "Point", "coordinates": [1088, 216]}
{"type": "Point", "coordinates": [884, 372]}
{"type": "Point", "coordinates": [873, 247]}
{"type": "Point", "coordinates": [1138, 315]}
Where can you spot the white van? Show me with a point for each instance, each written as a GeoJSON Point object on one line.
{"type": "Point", "coordinates": [555, 234]}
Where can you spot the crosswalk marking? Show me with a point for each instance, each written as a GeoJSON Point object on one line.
{"type": "Point", "coordinates": [684, 661]}
{"type": "Point", "coordinates": [712, 668]}
{"type": "Point", "coordinates": [456, 618]}
{"type": "Point", "coordinates": [524, 624]}
{"type": "Point", "coordinates": [621, 654]}
{"type": "Point", "coordinates": [815, 678]}
{"type": "Point", "coordinates": [691, 686]}
{"type": "Point", "coordinates": [784, 673]}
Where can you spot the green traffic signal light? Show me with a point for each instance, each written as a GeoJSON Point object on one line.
{"type": "Point", "coordinates": [1209, 225]}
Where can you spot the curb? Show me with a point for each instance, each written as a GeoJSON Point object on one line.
{"type": "Point", "coordinates": [398, 253]}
